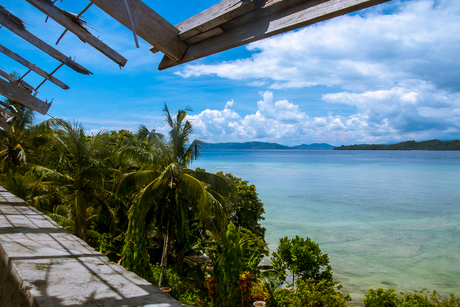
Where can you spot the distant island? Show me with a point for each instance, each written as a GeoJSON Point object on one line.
{"type": "Point", "coordinates": [408, 145]}
{"type": "Point", "coordinates": [265, 145]}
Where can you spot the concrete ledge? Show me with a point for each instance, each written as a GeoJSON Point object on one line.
{"type": "Point", "coordinates": [42, 264]}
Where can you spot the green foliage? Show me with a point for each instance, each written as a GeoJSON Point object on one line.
{"type": "Point", "coordinates": [181, 288]}
{"type": "Point", "coordinates": [422, 298]}
{"type": "Point", "coordinates": [317, 293]}
{"type": "Point", "coordinates": [248, 208]}
{"type": "Point", "coordinates": [381, 298]}
{"type": "Point", "coordinates": [408, 145]}
{"type": "Point", "coordinates": [120, 139]}
{"type": "Point", "coordinates": [74, 178]}
{"type": "Point", "coordinates": [134, 253]}
{"type": "Point", "coordinates": [228, 266]}
{"type": "Point", "coordinates": [302, 257]}
{"type": "Point", "coordinates": [260, 291]}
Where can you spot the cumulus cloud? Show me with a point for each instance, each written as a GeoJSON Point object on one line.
{"type": "Point", "coordinates": [396, 65]}
{"type": "Point", "coordinates": [382, 116]}
{"type": "Point", "coordinates": [419, 40]}
{"type": "Point", "coordinates": [279, 121]}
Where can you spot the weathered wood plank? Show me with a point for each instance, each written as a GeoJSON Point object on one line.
{"type": "Point", "coordinates": [279, 22]}
{"type": "Point", "coordinates": [149, 25]}
{"type": "Point", "coordinates": [33, 67]}
{"type": "Point", "coordinates": [5, 111]}
{"type": "Point", "coordinates": [4, 124]}
{"type": "Point", "coordinates": [216, 15]}
{"type": "Point", "coordinates": [8, 21]}
{"type": "Point", "coordinates": [63, 18]}
{"type": "Point", "coordinates": [17, 94]}
{"type": "Point", "coordinates": [22, 84]}
{"type": "Point", "coordinates": [205, 35]}
{"type": "Point", "coordinates": [269, 8]}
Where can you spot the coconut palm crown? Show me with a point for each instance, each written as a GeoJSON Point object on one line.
{"type": "Point", "coordinates": [170, 192]}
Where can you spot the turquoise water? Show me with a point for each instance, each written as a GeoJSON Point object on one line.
{"type": "Point", "coordinates": [386, 218]}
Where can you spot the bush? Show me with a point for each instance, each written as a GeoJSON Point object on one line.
{"type": "Point", "coordinates": [381, 298]}
{"type": "Point", "coordinates": [313, 293]}
{"type": "Point", "coordinates": [422, 298]}
{"type": "Point", "coordinates": [303, 258]}
{"type": "Point", "coordinates": [182, 291]}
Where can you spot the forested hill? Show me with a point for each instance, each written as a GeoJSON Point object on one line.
{"type": "Point", "coordinates": [408, 145]}
{"type": "Point", "coordinates": [265, 145]}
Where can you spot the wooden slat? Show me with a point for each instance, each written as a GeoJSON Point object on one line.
{"type": "Point", "coordinates": [216, 15]}
{"type": "Point", "coordinates": [33, 67]}
{"type": "Point", "coordinates": [4, 110]}
{"type": "Point", "coordinates": [7, 20]}
{"type": "Point", "coordinates": [271, 7]}
{"type": "Point", "coordinates": [279, 22]}
{"type": "Point", "coordinates": [47, 7]}
{"type": "Point", "coordinates": [22, 84]}
{"type": "Point", "coordinates": [149, 25]}
{"type": "Point", "coordinates": [17, 94]}
{"type": "Point", "coordinates": [205, 35]}
{"type": "Point", "coordinates": [4, 124]}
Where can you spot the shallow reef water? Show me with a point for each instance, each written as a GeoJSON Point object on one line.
{"type": "Point", "coordinates": [386, 218]}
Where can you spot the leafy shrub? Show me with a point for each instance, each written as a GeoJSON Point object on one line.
{"type": "Point", "coordinates": [228, 267]}
{"type": "Point", "coordinates": [303, 258]}
{"type": "Point", "coordinates": [315, 293]}
{"type": "Point", "coordinates": [181, 290]}
{"type": "Point", "coordinates": [422, 298]}
{"type": "Point", "coordinates": [381, 298]}
{"type": "Point", "coordinates": [260, 292]}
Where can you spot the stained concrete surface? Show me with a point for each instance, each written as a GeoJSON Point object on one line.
{"type": "Point", "coordinates": [42, 264]}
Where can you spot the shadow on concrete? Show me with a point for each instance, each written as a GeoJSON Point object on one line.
{"type": "Point", "coordinates": [42, 264]}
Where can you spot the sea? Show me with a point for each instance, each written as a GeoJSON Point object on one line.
{"type": "Point", "coordinates": [385, 218]}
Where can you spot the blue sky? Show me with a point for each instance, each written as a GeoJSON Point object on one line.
{"type": "Point", "coordinates": [386, 74]}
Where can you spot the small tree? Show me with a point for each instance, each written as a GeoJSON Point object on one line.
{"type": "Point", "coordinates": [228, 267]}
{"type": "Point", "coordinates": [248, 208]}
{"type": "Point", "coordinates": [303, 258]}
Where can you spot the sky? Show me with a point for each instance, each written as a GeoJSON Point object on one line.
{"type": "Point", "coordinates": [382, 75]}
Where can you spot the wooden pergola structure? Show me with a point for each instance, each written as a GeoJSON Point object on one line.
{"type": "Point", "coordinates": [226, 25]}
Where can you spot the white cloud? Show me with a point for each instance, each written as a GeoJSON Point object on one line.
{"type": "Point", "coordinates": [418, 41]}
{"type": "Point", "coordinates": [398, 70]}
{"type": "Point", "coordinates": [382, 116]}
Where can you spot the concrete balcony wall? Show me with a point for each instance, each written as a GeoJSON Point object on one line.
{"type": "Point", "coordinates": [42, 264]}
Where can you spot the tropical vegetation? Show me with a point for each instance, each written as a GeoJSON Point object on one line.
{"type": "Point", "coordinates": [135, 198]}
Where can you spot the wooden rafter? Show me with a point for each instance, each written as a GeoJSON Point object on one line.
{"type": "Point", "coordinates": [33, 67]}
{"type": "Point", "coordinates": [68, 21]}
{"type": "Point", "coordinates": [10, 22]}
{"type": "Point", "coordinates": [8, 112]}
{"type": "Point", "coordinates": [216, 15]}
{"type": "Point", "coordinates": [272, 18]}
{"type": "Point", "coordinates": [4, 124]}
{"type": "Point", "coordinates": [21, 83]}
{"type": "Point", "coordinates": [148, 25]}
{"type": "Point", "coordinates": [23, 97]}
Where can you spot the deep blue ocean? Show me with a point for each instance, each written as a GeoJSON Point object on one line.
{"type": "Point", "coordinates": [386, 218]}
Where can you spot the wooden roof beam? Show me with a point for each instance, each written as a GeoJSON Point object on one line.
{"type": "Point", "coordinates": [33, 67]}
{"type": "Point", "coordinates": [23, 97]}
{"type": "Point", "coordinates": [149, 25]}
{"type": "Point", "coordinates": [216, 15]}
{"type": "Point", "coordinates": [22, 84]}
{"type": "Point", "coordinates": [4, 124]}
{"type": "Point", "coordinates": [277, 22]}
{"type": "Point", "coordinates": [9, 21]}
{"type": "Point", "coordinates": [67, 21]}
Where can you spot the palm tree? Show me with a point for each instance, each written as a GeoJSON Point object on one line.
{"type": "Point", "coordinates": [78, 170]}
{"type": "Point", "coordinates": [169, 190]}
{"type": "Point", "coordinates": [13, 139]}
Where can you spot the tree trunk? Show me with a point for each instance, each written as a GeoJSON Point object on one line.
{"type": "Point", "coordinates": [164, 256]}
